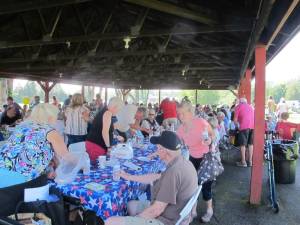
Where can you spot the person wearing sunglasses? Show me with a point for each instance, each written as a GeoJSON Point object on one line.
{"type": "Point", "coordinates": [149, 125]}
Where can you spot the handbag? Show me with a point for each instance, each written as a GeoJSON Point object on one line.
{"type": "Point", "coordinates": [210, 167]}
{"type": "Point", "coordinates": [54, 210]}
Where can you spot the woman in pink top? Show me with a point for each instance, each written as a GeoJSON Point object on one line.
{"type": "Point", "coordinates": [197, 135]}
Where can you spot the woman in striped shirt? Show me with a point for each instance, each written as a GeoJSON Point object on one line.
{"type": "Point", "coordinates": [77, 117]}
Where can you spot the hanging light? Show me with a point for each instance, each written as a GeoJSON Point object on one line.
{"type": "Point", "coordinates": [68, 43]}
{"type": "Point", "coordinates": [127, 40]}
{"type": "Point", "coordinates": [183, 72]}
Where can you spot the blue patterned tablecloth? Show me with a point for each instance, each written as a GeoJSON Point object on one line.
{"type": "Point", "coordinates": [112, 201]}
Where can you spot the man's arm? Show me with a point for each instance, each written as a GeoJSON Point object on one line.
{"type": "Point", "coordinates": [153, 211]}
{"type": "Point", "coordinates": [145, 179]}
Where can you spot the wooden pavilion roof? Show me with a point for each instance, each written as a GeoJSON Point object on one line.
{"type": "Point", "coordinates": [188, 44]}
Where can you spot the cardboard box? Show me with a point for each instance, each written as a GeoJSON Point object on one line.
{"type": "Point", "coordinates": [32, 219]}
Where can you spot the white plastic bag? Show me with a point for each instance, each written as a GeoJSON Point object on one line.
{"type": "Point", "coordinates": [122, 151]}
{"type": "Point", "coordinates": [67, 170]}
{"type": "Point", "coordinates": [126, 117]}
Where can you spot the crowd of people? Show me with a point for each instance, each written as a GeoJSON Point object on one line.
{"type": "Point", "coordinates": [101, 125]}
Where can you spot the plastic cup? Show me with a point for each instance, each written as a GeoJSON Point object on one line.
{"type": "Point", "coordinates": [116, 170]}
{"type": "Point", "coordinates": [101, 161]}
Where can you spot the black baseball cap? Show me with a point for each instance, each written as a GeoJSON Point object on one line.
{"type": "Point", "coordinates": [168, 140]}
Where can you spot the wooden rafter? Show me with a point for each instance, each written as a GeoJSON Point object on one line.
{"type": "Point", "coordinates": [175, 10]}
{"type": "Point", "coordinates": [116, 36]}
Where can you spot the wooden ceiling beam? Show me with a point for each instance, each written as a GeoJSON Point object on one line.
{"type": "Point", "coordinates": [33, 5]}
{"type": "Point", "coordinates": [116, 36]}
{"type": "Point", "coordinates": [285, 17]}
{"type": "Point", "coordinates": [258, 27]}
{"type": "Point", "coordinates": [175, 10]}
{"type": "Point", "coordinates": [228, 49]}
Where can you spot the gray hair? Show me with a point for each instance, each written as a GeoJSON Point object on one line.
{"type": "Point", "coordinates": [115, 102]}
{"type": "Point", "coordinates": [187, 106]}
{"type": "Point", "coordinates": [42, 112]}
{"type": "Point", "coordinates": [144, 111]}
{"type": "Point", "coordinates": [213, 122]}
{"type": "Point", "coordinates": [220, 114]}
{"type": "Point", "coordinates": [243, 100]}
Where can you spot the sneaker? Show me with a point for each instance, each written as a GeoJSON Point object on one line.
{"type": "Point", "coordinates": [250, 163]}
{"type": "Point", "coordinates": [207, 216]}
{"type": "Point", "coordinates": [240, 164]}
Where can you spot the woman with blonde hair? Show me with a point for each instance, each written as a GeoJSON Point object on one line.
{"type": "Point", "coordinates": [197, 134]}
{"type": "Point", "coordinates": [77, 117]}
{"type": "Point", "coordinates": [27, 154]}
{"type": "Point", "coordinates": [100, 137]}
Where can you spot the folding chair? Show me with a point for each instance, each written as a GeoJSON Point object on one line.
{"type": "Point", "coordinates": [185, 212]}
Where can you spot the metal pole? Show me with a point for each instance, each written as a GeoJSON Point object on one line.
{"type": "Point", "coordinates": [159, 96]}
{"type": "Point", "coordinates": [105, 96]}
{"type": "Point", "coordinates": [82, 91]}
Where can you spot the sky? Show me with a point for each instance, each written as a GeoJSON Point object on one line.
{"type": "Point", "coordinates": [285, 66]}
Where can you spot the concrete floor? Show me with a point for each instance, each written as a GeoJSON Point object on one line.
{"type": "Point", "coordinates": [231, 194]}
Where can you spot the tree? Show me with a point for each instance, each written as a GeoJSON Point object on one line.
{"type": "Point", "coordinates": [293, 90]}
{"type": "Point", "coordinates": [30, 89]}
{"type": "Point", "coordinates": [59, 93]}
{"type": "Point", "coordinates": [278, 91]}
{"type": "Point", "coordinates": [208, 97]}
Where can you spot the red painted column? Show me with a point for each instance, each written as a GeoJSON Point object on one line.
{"type": "Point", "coordinates": [241, 90]}
{"type": "Point", "coordinates": [247, 85]}
{"type": "Point", "coordinates": [47, 91]}
{"type": "Point", "coordinates": [259, 130]}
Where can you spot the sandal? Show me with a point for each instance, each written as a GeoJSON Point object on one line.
{"type": "Point", "coordinates": [240, 164]}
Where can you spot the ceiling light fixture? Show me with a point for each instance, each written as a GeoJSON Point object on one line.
{"type": "Point", "coordinates": [127, 41]}
{"type": "Point", "coordinates": [183, 72]}
{"type": "Point", "coordinates": [68, 43]}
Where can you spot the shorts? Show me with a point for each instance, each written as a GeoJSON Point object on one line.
{"type": "Point", "coordinates": [170, 121]}
{"type": "Point", "coordinates": [245, 137]}
{"type": "Point", "coordinates": [94, 150]}
{"type": "Point", "coordinates": [133, 220]}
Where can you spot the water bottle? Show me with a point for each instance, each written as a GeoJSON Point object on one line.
{"type": "Point", "coordinates": [205, 136]}
{"type": "Point", "coordinates": [116, 169]}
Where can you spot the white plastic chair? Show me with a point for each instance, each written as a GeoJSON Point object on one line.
{"type": "Point", "coordinates": [186, 211]}
{"type": "Point", "coordinates": [77, 147]}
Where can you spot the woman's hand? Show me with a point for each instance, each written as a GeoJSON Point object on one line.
{"type": "Point", "coordinates": [120, 138]}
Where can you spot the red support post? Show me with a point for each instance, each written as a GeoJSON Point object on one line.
{"type": "Point", "coordinates": [259, 129]}
{"type": "Point", "coordinates": [47, 91]}
{"type": "Point", "coordinates": [247, 85]}
{"type": "Point", "coordinates": [241, 90]}
{"type": "Point", "coordinates": [46, 88]}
